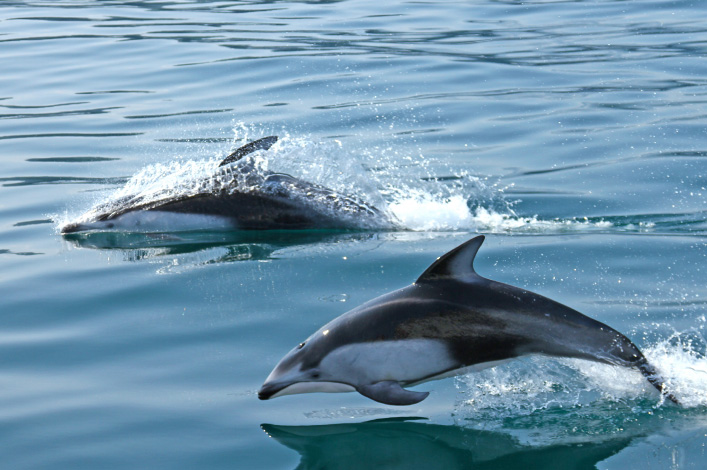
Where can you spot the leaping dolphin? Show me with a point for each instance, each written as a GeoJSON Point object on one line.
{"type": "Point", "coordinates": [448, 322]}
{"type": "Point", "coordinates": [238, 196]}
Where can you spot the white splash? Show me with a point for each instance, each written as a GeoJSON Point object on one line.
{"type": "Point", "coordinates": [423, 212]}
{"type": "Point", "coordinates": [681, 360]}
{"type": "Point", "coordinates": [530, 384]}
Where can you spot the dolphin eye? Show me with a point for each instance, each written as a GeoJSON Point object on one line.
{"type": "Point", "coordinates": [315, 375]}
{"type": "Point", "coordinates": [301, 345]}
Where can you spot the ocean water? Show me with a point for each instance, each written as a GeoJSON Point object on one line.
{"type": "Point", "coordinates": [572, 133]}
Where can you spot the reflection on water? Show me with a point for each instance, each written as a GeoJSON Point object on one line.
{"type": "Point", "coordinates": [407, 444]}
{"type": "Point", "coordinates": [577, 127]}
{"type": "Point", "coordinates": [210, 247]}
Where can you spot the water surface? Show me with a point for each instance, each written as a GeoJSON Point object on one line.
{"type": "Point", "coordinates": [571, 133]}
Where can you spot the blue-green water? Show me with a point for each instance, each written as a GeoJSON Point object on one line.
{"type": "Point", "coordinates": [572, 133]}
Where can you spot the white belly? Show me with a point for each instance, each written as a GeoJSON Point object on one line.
{"type": "Point", "coordinates": [162, 221]}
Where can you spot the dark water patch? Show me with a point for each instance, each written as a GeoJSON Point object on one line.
{"type": "Point", "coordinates": [184, 113]}
{"type": "Point", "coordinates": [33, 222]}
{"type": "Point", "coordinates": [274, 54]}
{"type": "Point", "coordinates": [42, 106]}
{"type": "Point", "coordinates": [19, 253]}
{"type": "Point", "coordinates": [198, 140]}
{"type": "Point", "coordinates": [60, 19]}
{"type": "Point", "coordinates": [556, 169]}
{"type": "Point", "coordinates": [442, 178]}
{"type": "Point", "coordinates": [51, 38]}
{"type": "Point", "coordinates": [42, 180]}
{"type": "Point", "coordinates": [430, 130]}
{"type": "Point", "coordinates": [652, 303]}
{"type": "Point", "coordinates": [112, 92]}
{"type": "Point", "coordinates": [678, 154]}
{"type": "Point", "coordinates": [121, 22]}
{"type": "Point", "coordinates": [78, 112]}
{"type": "Point", "coordinates": [71, 135]}
{"type": "Point", "coordinates": [71, 159]}
{"type": "Point", "coordinates": [518, 190]}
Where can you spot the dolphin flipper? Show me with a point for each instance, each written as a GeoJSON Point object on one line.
{"type": "Point", "coordinates": [391, 393]}
{"type": "Point", "coordinates": [261, 144]}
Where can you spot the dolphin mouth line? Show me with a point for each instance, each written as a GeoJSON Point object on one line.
{"type": "Point", "coordinates": [267, 391]}
{"type": "Point", "coordinates": [276, 389]}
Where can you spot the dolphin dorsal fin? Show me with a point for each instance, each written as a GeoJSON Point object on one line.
{"type": "Point", "coordinates": [457, 264]}
{"type": "Point", "coordinates": [260, 144]}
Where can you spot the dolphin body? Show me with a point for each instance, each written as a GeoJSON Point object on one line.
{"type": "Point", "coordinates": [240, 196]}
{"type": "Point", "coordinates": [449, 322]}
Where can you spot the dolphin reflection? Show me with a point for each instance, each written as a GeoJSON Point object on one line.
{"type": "Point", "coordinates": [212, 247]}
{"type": "Point", "coordinates": [406, 443]}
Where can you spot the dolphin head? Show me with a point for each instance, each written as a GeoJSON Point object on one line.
{"type": "Point", "coordinates": [91, 225]}
{"type": "Point", "coordinates": [304, 370]}
{"type": "Point", "coordinates": [97, 221]}
{"type": "Point", "coordinates": [342, 357]}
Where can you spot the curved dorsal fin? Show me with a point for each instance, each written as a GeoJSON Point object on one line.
{"type": "Point", "coordinates": [260, 144]}
{"type": "Point", "coordinates": [457, 264]}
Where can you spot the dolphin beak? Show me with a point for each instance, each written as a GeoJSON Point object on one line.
{"type": "Point", "coordinates": [271, 388]}
{"type": "Point", "coordinates": [71, 228]}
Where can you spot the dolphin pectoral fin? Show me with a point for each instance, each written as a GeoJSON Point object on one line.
{"type": "Point", "coordinates": [261, 144]}
{"type": "Point", "coordinates": [391, 393]}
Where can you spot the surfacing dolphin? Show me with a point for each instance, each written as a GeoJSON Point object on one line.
{"type": "Point", "coordinates": [449, 322]}
{"type": "Point", "coordinates": [239, 196]}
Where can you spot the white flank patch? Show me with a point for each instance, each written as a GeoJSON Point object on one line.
{"type": "Point", "coordinates": [162, 221]}
{"type": "Point", "coordinates": [406, 361]}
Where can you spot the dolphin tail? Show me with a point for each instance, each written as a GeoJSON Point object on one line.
{"type": "Point", "coordinates": [654, 378]}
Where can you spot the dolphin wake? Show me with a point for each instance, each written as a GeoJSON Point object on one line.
{"type": "Point", "coordinates": [545, 402]}
{"type": "Point", "coordinates": [536, 385]}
